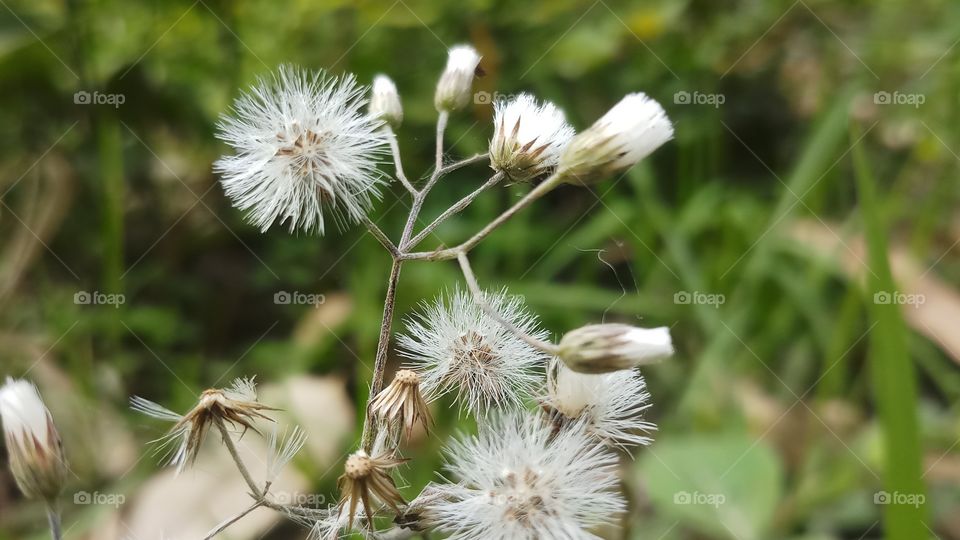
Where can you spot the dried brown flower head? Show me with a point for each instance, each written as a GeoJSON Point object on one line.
{"type": "Point", "coordinates": [401, 401]}
{"type": "Point", "coordinates": [236, 405]}
{"type": "Point", "coordinates": [364, 476]}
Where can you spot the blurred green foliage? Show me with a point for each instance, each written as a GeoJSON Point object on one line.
{"type": "Point", "coordinates": [769, 399]}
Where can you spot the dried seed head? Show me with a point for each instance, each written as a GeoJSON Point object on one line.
{"type": "Point", "coordinates": [37, 461]}
{"type": "Point", "coordinates": [401, 402]}
{"type": "Point", "coordinates": [629, 132]}
{"type": "Point", "coordinates": [603, 348]}
{"type": "Point", "coordinates": [528, 137]}
{"type": "Point", "coordinates": [236, 405]}
{"type": "Point", "coordinates": [456, 82]}
{"type": "Point", "coordinates": [366, 481]}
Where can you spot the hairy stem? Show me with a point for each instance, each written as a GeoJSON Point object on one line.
{"type": "Point", "coordinates": [224, 525]}
{"type": "Point", "coordinates": [53, 519]}
{"type": "Point", "coordinates": [455, 209]}
{"type": "Point", "coordinates": [241, 466]}
{"type": "Point", "coordinates": [380, 236]}
{"type": "Point", "coordinates": [479, 298]}
{"type": "Point", "coordinates": [398, 165]}
{"type": "Point", "coordinates": [383, 345]}
{"type": "Point", "coordinates": [441, 127]}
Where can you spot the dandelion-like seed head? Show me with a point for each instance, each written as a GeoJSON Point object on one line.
{"type": "Point", "coordinates": [456, 81]}
{"type": "Point", "coordinates": [236, 405]}
{"type": "Point", "coordinates": [629, 132]}
{"type": "Point", "coordinates": [454, 346]}
{"type": "Point", "coordinates": [528, 137]}
{"type": "Point", "coordinates": [37, 460]}
{"type": "Point", "coordinates": [519, 479]}
{"type": "Point", "coordinates": [302, 144]}
{"type": "Point", "coordinates": [608, 406]}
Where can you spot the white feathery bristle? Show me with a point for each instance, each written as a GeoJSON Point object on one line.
{"type": "Point", "coordinates": [455, 347]}
{"type": "Point", "coordinates": [385, 101]}
{"type": "Point", "coordinates": [636, 126]}
{"type": "Point", "coordinates": [242, 389]}
{"type": "Point", "coordinates": [528, 137]}
{"type": "Point", "coordinates": [25, 417]}
{"type": "Point", "coordinates": [302, 144]}
{"type": "Point", "coordinates": [153, 410]}
{"type": "Point", "coordinates": [517, 479]}
{"type": "Point", "coordinates": [456, 81]}
{"type": "Point", "coordinates": [609, 406]}
{"type": "Point", "coordinates": [282, 449]}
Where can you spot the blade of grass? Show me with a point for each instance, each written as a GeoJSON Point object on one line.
{"type": "Point", "coordinates": [892, 372]}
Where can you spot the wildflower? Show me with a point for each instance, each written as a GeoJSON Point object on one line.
{"type": "Point", "coordinates": [602, 348]}
{"type": "Point", "coordinates": [401, 401]}
{"type": "Point", "coordinates": [366, 476]}
{"type": "Point", "coordinates": [37, 461]}
{"type": "Point", "coordinates": [519, 480]}
{"type": "Point", "coordinates": [301, 144]}
{"type": "Point", "coordinates": [236, 405]}
{"type": "Point", "coordinates": [629, 132]}
{"type": "Point", "coordinates": [528, 137]}
{"type": "Point", "coordinates": [609, 406]}
{"type": "Point", "coordinates": [385, 101]}
{"type": "Point", "coordinates": [456, 347]}
{"type": "Point", "coordinates": [456, 82]}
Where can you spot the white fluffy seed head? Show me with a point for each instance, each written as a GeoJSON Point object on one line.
{"type": "Point", "coordinates": [609, 406]}
{"type": "Point", "coordinates": [36, 456]}
{"type": "Point", "coordinates": [455, 347]}
{"type": "Point", "coordinates": [456, 81]}
{"type": "Point", "coordinates": [603, 348]}
{"type": "Point", "coordinates": [302, 146]}
{"type": "Point", "coordinates": [629, 132]}
{"type": "Point", "coordinates": [518, 479]}
{"type": "Point", "coordinates": [528, 137]}
{"type": "Point", "coordinates": [385, 101]}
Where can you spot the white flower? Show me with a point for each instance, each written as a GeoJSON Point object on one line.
{"type": "Point", "coordinates": [456, 81]}
{"type": "Point", "coordinates": [456, 347]}
{"type": "Point", "coordinates": [629, 132]}
{"type": "Point", "coordinates": [602, 348]}
{"type": "Point", "coordinates": [385, 101]}
{"type": "Point", "coordinates": [609, 406]}
{"type": "Point", "coordinates": [519, 480]}
{"type": "Point", "coordinates": [36, 454]}
{"type": "Point", "coordinates": [528, 137]}
{"type": "Point", "coordinates": [301, 143]}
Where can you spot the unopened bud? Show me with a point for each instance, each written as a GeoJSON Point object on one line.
{"type": "Point", "coordinates": [602, 348]}
{"type": "Point", "coordinates": [629, 132]}
{"type": "Point", "coordinates": [385, 101]}
{"type": "Point", "coordinates": [33, 444]}
{"type": "Point", "coordinates": [456, 82]}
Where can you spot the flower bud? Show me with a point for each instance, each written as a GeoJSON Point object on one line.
{"type": "Point", "coordinates": [456, 82]}
{"type": "Point", "coordinates": [33, 444]}
{"type": "Point", "coordinates": [385, 101]}
{"type": "Point", "coordinates": [603, 348]}
{"type": "Point", "coordinates": [629, 132]}
{"type": "Point", "coordinates": [527, 137]}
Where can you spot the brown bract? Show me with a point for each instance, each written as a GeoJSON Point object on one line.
{"type": "Point", "coordinates": [401, 401]}
{"type": "Point", "coordinates": [366, 476]}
